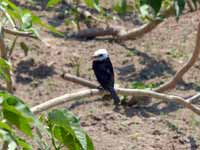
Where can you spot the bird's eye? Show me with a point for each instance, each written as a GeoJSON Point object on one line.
{"type": "Point", "coordinates": [101, 55]}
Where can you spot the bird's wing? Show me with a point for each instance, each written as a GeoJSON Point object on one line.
{"type": "Point", "coordinates": [107, 75]}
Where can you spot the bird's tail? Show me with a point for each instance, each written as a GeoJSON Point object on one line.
{"type": "Point", "coordinates": [114, 96]}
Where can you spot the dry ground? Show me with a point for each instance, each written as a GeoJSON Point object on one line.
{"type": "Point", "coordinates": [153, 58]}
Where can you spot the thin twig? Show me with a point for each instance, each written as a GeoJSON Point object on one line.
{"type": "Point", "coordinates": [19, 33]}
{"type": "Point", "coordinates": [12, 22]}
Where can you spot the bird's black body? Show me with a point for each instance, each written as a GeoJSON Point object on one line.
{"type": "Point", "coordinates": [103, 70]}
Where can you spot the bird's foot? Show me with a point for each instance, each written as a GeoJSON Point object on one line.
{"type": "Point", "coordinates": [116, 108]}
{"type": "Point", "coordinates": [116, 103]}
{"type": "Point", "coordinates": [100, 88]}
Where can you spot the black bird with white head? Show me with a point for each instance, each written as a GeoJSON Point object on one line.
{"type": "Point", "coordinates": [103, 70]}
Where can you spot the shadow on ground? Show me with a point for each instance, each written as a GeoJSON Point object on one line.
{"type": "Point", "coordinates": [26, 71]}
{"type": "Point", "coordinates": [153, 68]}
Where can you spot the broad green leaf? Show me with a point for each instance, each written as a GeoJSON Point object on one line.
{"type": "Point", "coordinates": [64, 137]}
{"type": "Point", "coordinates": [52, 3]}
{"type": "Point", "coordinates": [156, 5]}
{"type": "Point", "coordinates": [5, 67]}
{"type": "Point", "coordinates": [14, 117]}
{"type": "Point", "coordinates": [23, 144]}
{"type": "Point", "coordinates": [17, 113]}
{"type": "Point", "coordinates": [66, 128]}
{"type": "Point", "coordinates": [7, 134]}
{"type": "Point", "coordinates": [3, 125]}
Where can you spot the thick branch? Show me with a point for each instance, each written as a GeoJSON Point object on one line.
{"type": "Point", "coordinates": [92, 92]}
{"type": "Point", "coordinates": [80, 81]}
{"type": "Point", "coordinates": [120, 34]}
{"type": "Point", "coordinates": [179, 75]}
{"type": "Point", "coordinates": [194, 99]}
{"type": "Point", "coordinates": [94, 32]}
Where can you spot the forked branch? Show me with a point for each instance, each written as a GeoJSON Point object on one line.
{"type": "Point", "coordinates": [120, 33]}
{"type": "Point", "coordinates": [179, 75]}
{"type": "Point", "coordinates": [92, 92]}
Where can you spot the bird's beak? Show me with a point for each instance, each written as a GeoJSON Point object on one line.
{"type": "Point", "coordinates": [93, 57]}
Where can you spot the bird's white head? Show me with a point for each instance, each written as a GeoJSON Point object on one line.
{"type": "Point", "coordinates": [100, 55]}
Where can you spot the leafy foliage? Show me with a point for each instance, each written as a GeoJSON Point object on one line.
{"type": "Point", "coordinates": [51, 3]}
{"type": "Point", "coordinates": [140, 85]}
{"type": "Point", "coordinates": [121, 7]}
{"type": "Point", "coordinates": [63, 127]}
{"type": "Point", "coordinates": [23, 19]}
{"type": "Point", "coordinates": [5, 67]}
{"type": "Point", "coordinates": [93, 4]}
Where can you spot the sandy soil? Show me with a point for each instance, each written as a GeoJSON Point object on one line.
{"type": "Point", "coordinates": [153, 58]}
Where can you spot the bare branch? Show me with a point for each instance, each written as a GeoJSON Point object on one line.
{"type": "Point", "coordinates": [19, 33]}
{"type": "Point", "coordinates": [80, 81]}
{"type": "Point", "coordinates": [194, 99]}
{"type": "Point", "coordinates": [179, 75]}
{"type": "Point", "coordinates": [120, 33]}
{"type": "Point", "coordinates": [92, 92]}
{"type": "Point", "coordinates": [94, 32]}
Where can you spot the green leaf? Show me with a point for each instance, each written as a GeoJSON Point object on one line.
{"type": "Point", "coordinates": [140, 85]}
{"type": "Point", "coordinates": [65, 138]}
{"type": "Point", "coordinates": [93, 4]}
{"type": "Point", "coordinates": [17, 113]}
{"type": "Point", "coordinates": [66, 128]}
{"type": "Point", "coordinates": [26, 21]}
{"type": "Point", "coordinates": [52, 3]}
{"type": "Point", "coordinates": [156, 5]}
{"type": "Point", "coordinates": [90, 145]}
{"type": "Point", "coordinates": [3, 125]}
{"type": "Point", "coordinates": [144, 9]}
{"type": "Point", "coordinates": [7, 134]}
{"type": "Point", "coordinates": [25, 145]}
{"type": "Point", "coordinates": [121, 7]}
{"type": "Point", "coordinates": [5, 67]}
{"type": "Point", "coordinates": [179, 6]}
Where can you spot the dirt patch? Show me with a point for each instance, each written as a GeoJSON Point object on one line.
{"type": "Point", "coordinates": [153, 58]}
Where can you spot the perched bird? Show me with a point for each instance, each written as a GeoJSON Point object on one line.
{"type": "Point", "coordinates": [103, 70]}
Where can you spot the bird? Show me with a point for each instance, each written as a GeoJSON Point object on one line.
{"type": "Point", "coordinates": [103, 70]}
